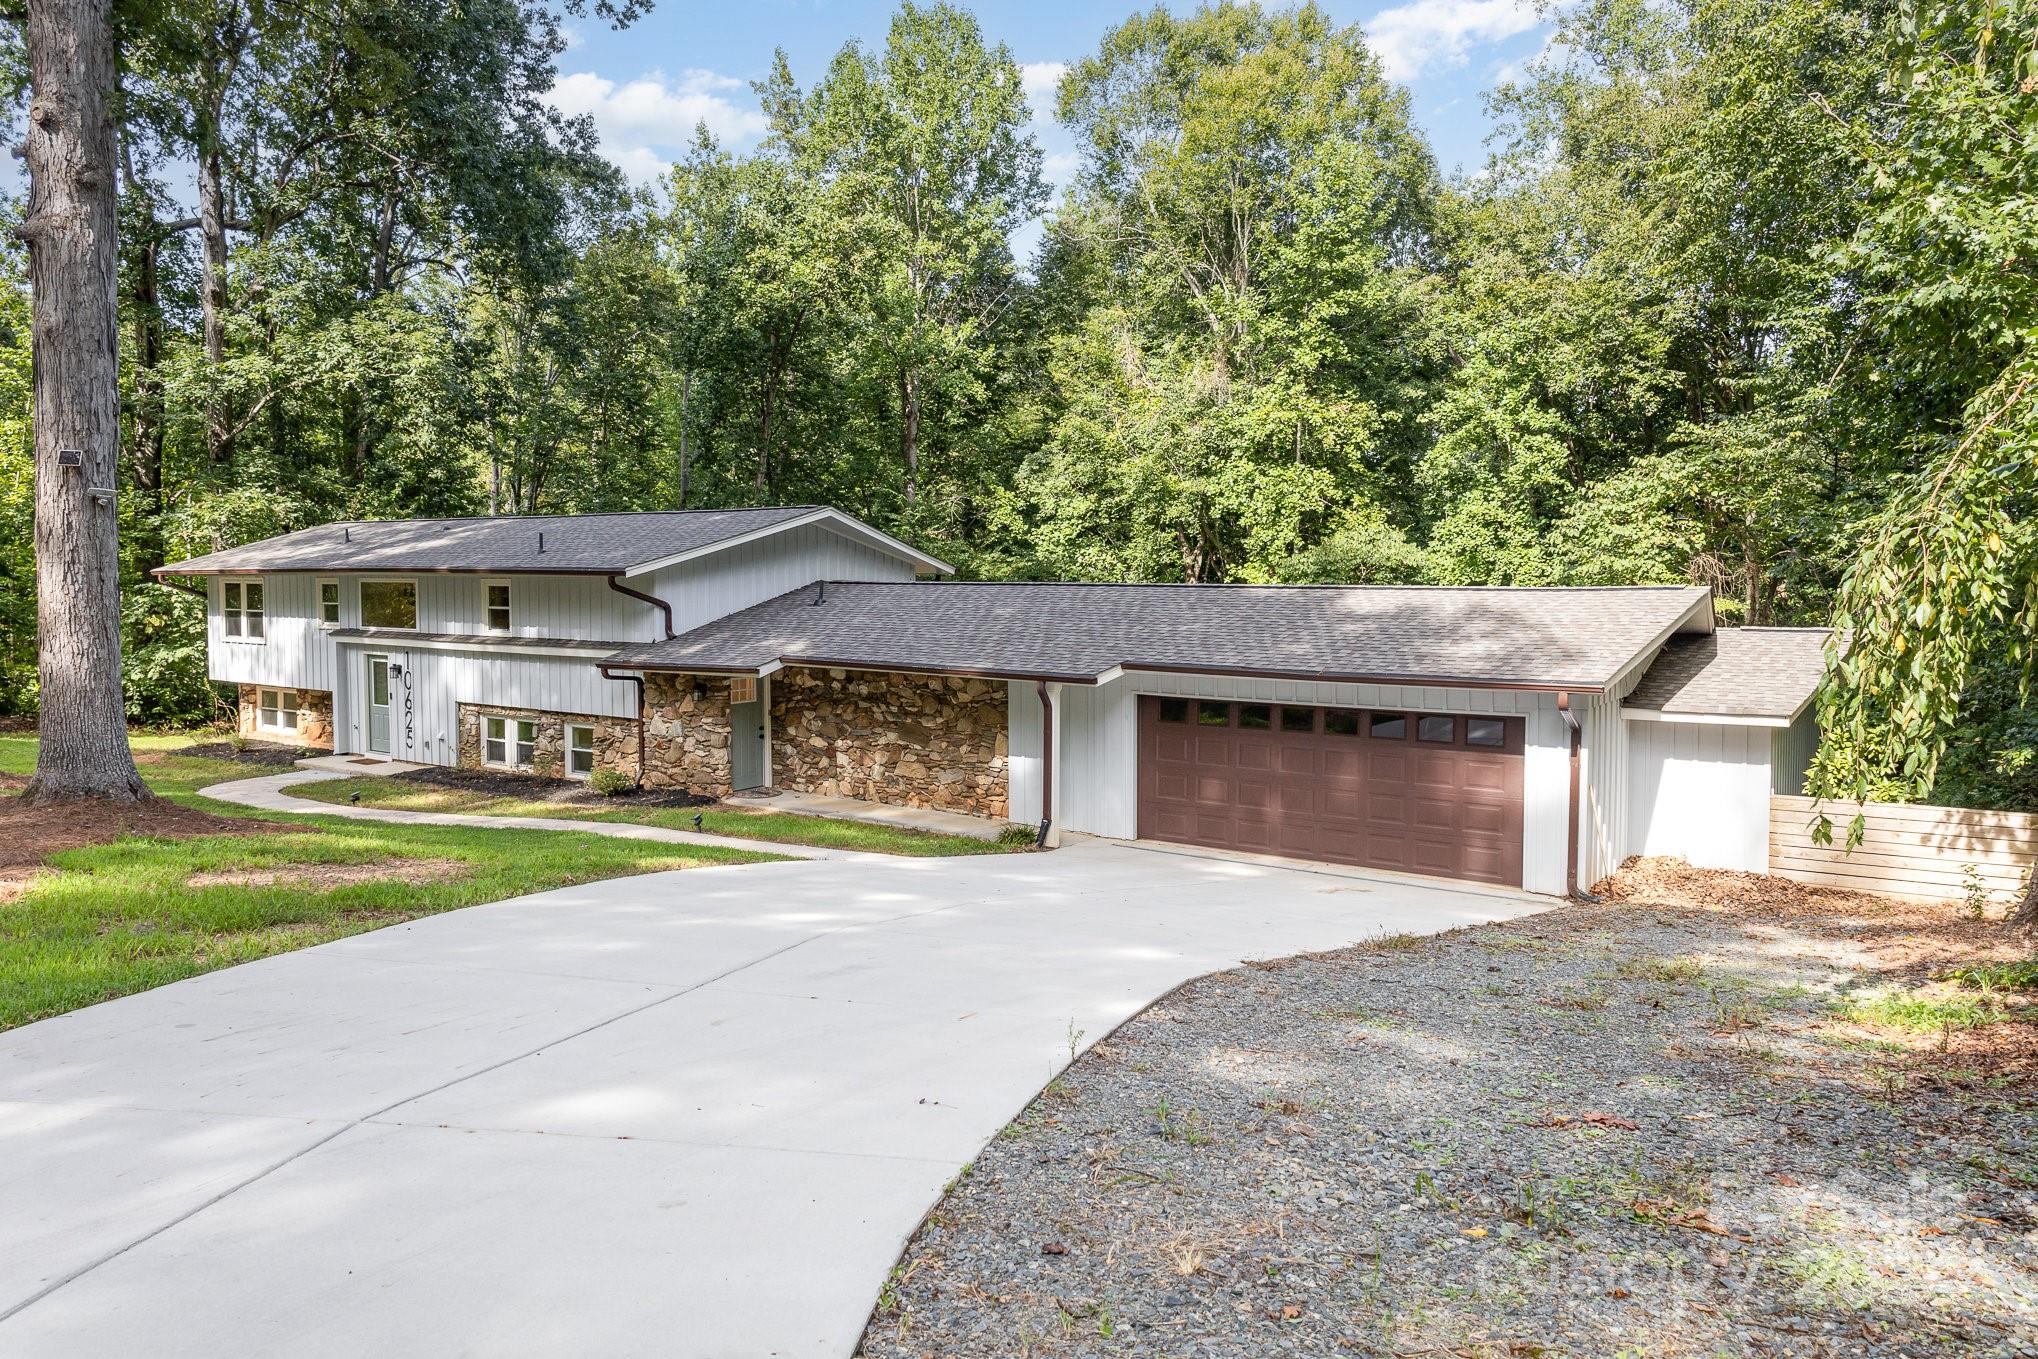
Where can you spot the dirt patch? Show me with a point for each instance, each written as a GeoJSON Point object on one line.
{"type": "Point", "coordinates": [259, 753]}
{"type": "Point", "coordinates": [326, 877]}
{"type": "Point", "coordinates": [30, 834]}
{"type": "Point", "coordinates": [565, 792]}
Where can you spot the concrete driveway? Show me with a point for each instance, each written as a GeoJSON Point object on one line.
{"type": "Point", "coordinates": [688, 1114]}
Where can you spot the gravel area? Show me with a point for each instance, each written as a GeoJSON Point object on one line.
{"type": "Point", "coordinates": [1720, 1116]}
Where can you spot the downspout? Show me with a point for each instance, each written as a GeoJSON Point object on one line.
{"type": "Point", "coordinates": [1571, 885]}
{"type": "Point", "coordinates": [616, 584]}
{"type": "Point", "coordinates": [642, 721]}
{"type": "Point", "coordinates": [1046, 765]}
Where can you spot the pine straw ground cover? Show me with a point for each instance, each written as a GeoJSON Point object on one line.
{"type": "Point", "coordinates": [1716, 1114]}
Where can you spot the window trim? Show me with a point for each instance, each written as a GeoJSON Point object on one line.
{"type": "Point", "coordinates": [238, 614]}
{"type": "Point", "coordinates": [416, 601]}
{"type": "Point", "coordinates": [510, 746]}
{"type": "Point", "coordinates": [568, 750]}
{"type": "Point", "coordinates": [296, 709]}
{"type": "Point", "coordinates": [318, 591]}
{"type": "Point", "coordinates": [509, 608]}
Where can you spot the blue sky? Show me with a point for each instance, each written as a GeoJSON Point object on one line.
{"type": "Point", "coordinates": [686, 62]}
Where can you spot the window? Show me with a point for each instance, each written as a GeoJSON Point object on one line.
{"type": "Point", "coordinates": [512, 743]}
{"type": "Point", "coordinates": [1388, 726]}
{"type": "Point", "coordinates": [1213, 714]}
{"type": "Point", "coordinates": [1255, 716]}
{"type": "Point", "coordinates": [328, 601]}
{"type": "Point", "coordinates": [276, 710]}
{"type": "Point", "coordinates": [1174, 710]}
{"type": "Point", "coordinates": [1340, 722]}
{"type": "Point", "coordinates": [743, 690]}
{"type": "Point", "coordinates": [1298, 719]}
{"type": "Point", "coordinates": [579, 751]}
{"type": "Point", "coordinates": [1443, 730]}
{"type": "Point", "coordinates": [1485, 731]}
{"type": "Point", "coordinates": [243, 600]}
{"type": "Point", "coordinates": [389, 604]}
{"type": "Point", "coordinates": [495, 597]}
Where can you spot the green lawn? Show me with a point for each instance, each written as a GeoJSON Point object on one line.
{"type": "Point", "coordinates": [781, 827]}
{"type": "Point", "coordinates": [122, 917]}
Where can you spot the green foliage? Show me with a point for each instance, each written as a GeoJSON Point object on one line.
{"type": "Point", "coordinates": [611, 782]}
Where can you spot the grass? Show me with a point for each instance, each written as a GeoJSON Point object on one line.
{"type": "Point", "coordinates": [1916, 1012]}
{"type": "Point", "coordinates": [118, 918]}
{"type": "Point", "coordinates": [779, 827]}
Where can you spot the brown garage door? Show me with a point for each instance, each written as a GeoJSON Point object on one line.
{"type": "Point", "coordinates": [1418, 792]}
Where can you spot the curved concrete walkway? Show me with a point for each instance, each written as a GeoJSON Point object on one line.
{"type": "Point", "coordinates": [271, 793]}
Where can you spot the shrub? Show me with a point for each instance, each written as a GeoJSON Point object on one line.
{"type": "Point", "coordinates": [612, 782]}
{"type": "Point", "coordinates": [1016, 834]}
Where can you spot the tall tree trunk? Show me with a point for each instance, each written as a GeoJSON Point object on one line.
{"type": "Point", "coordinates": [909, 430]}
{"type": "Point", "coordinates": [2024, 918]}
{"type": "Point", "coordinates": [212, 294]}
{"type": "Point", "coordinates": [685, 451]}
{"type": "Point", "coordinates": [73, 270]}
{"type": "Point", "coordinates": [145, 451]}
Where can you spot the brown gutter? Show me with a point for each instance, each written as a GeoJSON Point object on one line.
{"type": "Point", "coordinates": [1328, 677]}
{"type": "Point", "coordinates": [293, 569]}
{"type": "Point", "coordinates": [1046, 765]}
{"type": "Point", "coordinates": [616, 584]}
{"type": "Point", "coordinates": [637, 680]}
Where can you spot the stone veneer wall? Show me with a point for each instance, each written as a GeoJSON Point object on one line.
{"type": "Point", "coordinates": [615, 738]}
{"type": "Point", "coordinates": [909, 740]}
{"type": "Point", "coordinates": [314, 717]}
{"type": "Point", "coordinates": [686, 739]}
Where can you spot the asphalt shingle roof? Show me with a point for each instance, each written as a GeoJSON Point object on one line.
{"type": "Point", "coordinates": [574, 543]}
{"type": "Point", "coordinates": [1578, 638]}
{"type": "Point", "coordinates": [1735, 672]}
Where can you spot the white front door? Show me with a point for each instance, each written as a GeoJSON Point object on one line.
{"type": "Point", "coordinates": [378, 704]}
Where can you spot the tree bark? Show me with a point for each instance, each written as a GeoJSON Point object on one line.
{"type": "Point", "coordinates": [146, 448]}
{"type": "Point", "coordinates": [909, 430]}
{"type": "Point", "coordinates": [73, 269]}
{"type": "Point", "coordinates": [2024, 919]}
{"type": "Point", "coordinates": [219, 449]}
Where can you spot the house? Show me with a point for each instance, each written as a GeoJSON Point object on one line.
{"type": "Point", "coordinates": [1524, 737]}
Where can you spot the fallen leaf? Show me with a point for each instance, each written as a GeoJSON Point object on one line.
{"type": "Point", "coordinates": [1290, 1312]}
{"type": "Point", "coordinates": [1054, 1248]}
{"type": "Point", "coordinates": [1475, 1231]}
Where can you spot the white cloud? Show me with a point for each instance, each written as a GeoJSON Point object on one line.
{"type": "Point", "coordinates": [645, 123]}
{"type": "Point", "coordinates": [1039, 78]}
{"type": "Point", "coordinates": [1413, 37]}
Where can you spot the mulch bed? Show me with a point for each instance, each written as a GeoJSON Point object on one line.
{"type": "Point", "coordinates": [1640, 1127]}
{"type": "Point", "coordinates": [29, 834]}
{"type": "Point", "coordinates": [259, 753]}
{"type": "Point", "coordinates": [529, 787]}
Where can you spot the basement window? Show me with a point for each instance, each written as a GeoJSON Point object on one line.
{"type": "Point", "coordinates": [512, 743]}
{"type": "Point", "coordinates": [242, 602]}
{"type": "Point", "coordinates": [276, 710]}
{"type": "Point", "coordinates": [579, 751]}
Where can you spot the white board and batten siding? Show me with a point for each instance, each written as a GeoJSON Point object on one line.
{"type": "Point", "coordinates": [1700, 791]}
{"type": "Point", "coordinates": [714, 586]}
{"type": "Point", "coordinates": [1907, 850]}
{"type": "Point", "coordinates": [1098, 727]}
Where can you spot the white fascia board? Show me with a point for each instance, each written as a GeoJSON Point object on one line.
{"type": "Point", "coordinates": [481, 646]}
{"type": "Point", "coordinates": [834, 519]}
{"type": "Point", "coordinates": [1646, 657]}
{"type": "Point", "coordinates": [1703, 719]}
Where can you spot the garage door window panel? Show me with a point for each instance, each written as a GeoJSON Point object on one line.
{"type": "Point", "coordinates": [1298, 719]}
{"type": "Point", "coordinates": [1213, 714]}
{"type": "Point", "coordinates": [1437, 730]}
{"type": "Point", "coordinates": [1387, 727]}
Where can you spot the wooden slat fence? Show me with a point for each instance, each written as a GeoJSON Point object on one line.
{"type": "Point", "coordinates": [1909, 850]}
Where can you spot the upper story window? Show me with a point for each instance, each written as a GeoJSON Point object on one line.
{"type": "Point", "coordinates": [495, 597]}
{"type": "Point", "coordinates": [389, 604]}
{"type": "Point", "coordinates": [329, 602]}
{"type": "Point", "coordinates": [242, 601]}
